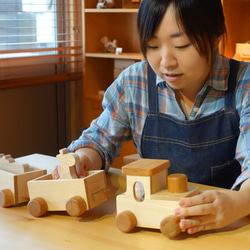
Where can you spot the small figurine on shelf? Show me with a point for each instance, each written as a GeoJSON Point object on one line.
{"type": "Point", "coordinates": [103, 4]}
{"type": "Point", "coordinates": [108, 46]}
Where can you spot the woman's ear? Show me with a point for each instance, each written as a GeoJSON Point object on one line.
{"type": "Point", "coordinates": [220, 43]}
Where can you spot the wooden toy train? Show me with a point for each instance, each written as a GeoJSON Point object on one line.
{"type": "Point", "coordinates": [154, 204]}
{"type": "Point", "coordinates": [20, 183]}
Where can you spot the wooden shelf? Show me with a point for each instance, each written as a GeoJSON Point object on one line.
{"type": "Point", "coordinates": [120, 24]}
{"type": "Point", "coordinates": [113, 10]}
{"type": "Point", "coordinates": [130, 56]}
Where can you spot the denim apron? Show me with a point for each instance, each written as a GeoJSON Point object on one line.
{"type": "Point", "coordinates": [203, 149]}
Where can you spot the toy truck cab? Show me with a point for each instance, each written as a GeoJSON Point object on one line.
{"type": "Point", "coordinates": [154, 205]}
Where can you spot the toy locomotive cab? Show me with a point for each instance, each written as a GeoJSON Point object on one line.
{"type": "Point", "coordinates": [149, 200]}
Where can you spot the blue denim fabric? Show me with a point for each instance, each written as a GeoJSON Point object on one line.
{"type": "Point", "coordinates": [203, 149]}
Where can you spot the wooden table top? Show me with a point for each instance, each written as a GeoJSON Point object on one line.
{"type": "Point", "coordinates": [96, 229]}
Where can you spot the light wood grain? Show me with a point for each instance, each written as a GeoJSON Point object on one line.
{"type": "Point", "coordinates": [9, 164]}
{"type": "Point", "coordinates": [96, 229]}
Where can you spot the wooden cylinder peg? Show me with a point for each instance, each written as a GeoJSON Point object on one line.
{"type": "Point", "coordinates": [177, 183]}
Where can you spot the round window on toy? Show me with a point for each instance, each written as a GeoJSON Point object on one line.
{"type": "Point", "coordinates": [139, 192]}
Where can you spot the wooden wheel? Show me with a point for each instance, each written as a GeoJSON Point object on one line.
{"type": "Point", "coordinates": [6, 198]}
{"type": "Point", "coordinates": [170, 226]}
{"type": "Point", "coordinates": [76, 206]}
{"type": "Point", "coordinates": [125, 221]}
{"type": "Point", "coordinates": [37, 207]}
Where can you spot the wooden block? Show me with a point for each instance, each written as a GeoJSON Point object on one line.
{"type": "Point", "coordinates": [177, 183]}
{"type": "Point", "coordinates": [145, 167]}
{"type": "Point", "coordinates": [67, 164]}
{"type": "Point", "coordinates": [6, 159]}
{"type": "Point", "coordinates": [9, 164]}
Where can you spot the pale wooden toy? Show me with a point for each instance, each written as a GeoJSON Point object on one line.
{"type": "Point", "coordinates": [68, 193]}
{"type": "Point", "coordinates": [13, 180]}
{"type": "Point", "coordinates": [154, 205]}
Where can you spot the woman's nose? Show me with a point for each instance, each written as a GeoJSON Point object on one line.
{"type": "Point", "coordinates": [168, 59]}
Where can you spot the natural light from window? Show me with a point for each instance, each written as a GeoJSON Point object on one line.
{"type": "Point", "coordinates": [27, 24]}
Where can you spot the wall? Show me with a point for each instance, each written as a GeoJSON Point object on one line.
{"type": "Point", "coordinates": [33, 120]}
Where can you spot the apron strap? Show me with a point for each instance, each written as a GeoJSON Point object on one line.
{"type": "Point", "coordinates": [152, 90]}
{"type": "Point", "coordinates": [232, 80]}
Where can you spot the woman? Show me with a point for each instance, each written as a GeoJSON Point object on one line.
{"type": "Point", "coordinates": [185, 103]}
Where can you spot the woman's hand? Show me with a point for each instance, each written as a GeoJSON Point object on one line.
{"type": "Point", "coordinates": [213, 209]}
{"type": "Point", "coordinates": [89, 160]}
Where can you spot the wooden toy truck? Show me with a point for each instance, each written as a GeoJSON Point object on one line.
{"type": "Point", "coordinates": [159, 193]}
{"type": "Point", "coordinates": [13, 180]}
{"type": "Point", "coordinates": [68, 193]}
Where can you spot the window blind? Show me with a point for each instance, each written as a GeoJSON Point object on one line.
{"type": "Point", "coordinates": [40, 42]}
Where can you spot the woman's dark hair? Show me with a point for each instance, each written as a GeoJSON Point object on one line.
{"type": "Point", "coordinates": [202, 20]}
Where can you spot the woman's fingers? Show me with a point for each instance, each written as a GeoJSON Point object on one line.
{"type": "Point", "coordinates": [202, 198]}
{"type": "Point", "coordinates": [55, 173]}
{"type": "Point", "coordinates": [80, 171]}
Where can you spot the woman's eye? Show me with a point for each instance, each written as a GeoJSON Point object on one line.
{"type": "Point", "coordinates": [152, 47]}
{"type": "Point", "coordinates": [182, 47]}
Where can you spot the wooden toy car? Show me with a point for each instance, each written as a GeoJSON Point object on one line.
{"type": "Point", "coordinates": [159, 193]}
{"type": "Point", "coordinates": [13, 180]}
{"type": "Point", "coordinates": [68, 193]}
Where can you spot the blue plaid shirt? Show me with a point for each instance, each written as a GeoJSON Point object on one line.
{"type": "Point", "coordinates": [125, 105]}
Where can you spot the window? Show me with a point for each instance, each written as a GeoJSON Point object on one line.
{"type": "Point", "coordinates": [40, 42]}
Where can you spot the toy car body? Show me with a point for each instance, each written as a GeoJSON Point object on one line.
{"type": "Point", "coordinates": [154, 206]}
{"type": "Point", "coordinates": [75, 195]}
